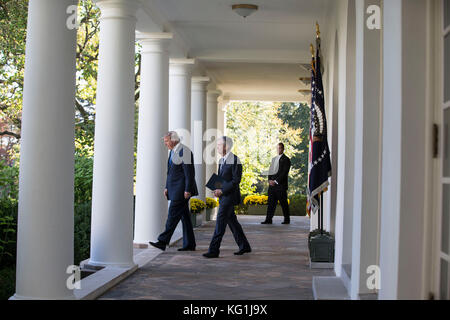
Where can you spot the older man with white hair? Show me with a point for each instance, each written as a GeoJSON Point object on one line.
{"type": "Point", "coordinates": [180, 187]}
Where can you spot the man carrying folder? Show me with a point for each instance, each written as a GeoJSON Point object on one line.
{"type": "Point", "coordinates": [228, 180]}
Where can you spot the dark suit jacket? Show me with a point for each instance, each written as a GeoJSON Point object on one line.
{"type": "Point", "coordinates": [231, 172]}
{"type": "Point", "coordinates": [283, 170]}
{"type": "Point", "coordinates": [181, 174]}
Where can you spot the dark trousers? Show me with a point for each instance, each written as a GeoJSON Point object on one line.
{"type": "Point", "coordinates": [179, 209]}
{"type": "Point", "coordinates": [226, 216]}
{"type": "Point", "coordinates": [277, 194]}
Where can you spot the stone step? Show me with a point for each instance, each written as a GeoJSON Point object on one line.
{"type": "Point", "coordinates": [329, 288]}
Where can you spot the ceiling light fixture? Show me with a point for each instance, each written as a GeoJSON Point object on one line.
{"type": "Point", "coordinates": [244, 10]}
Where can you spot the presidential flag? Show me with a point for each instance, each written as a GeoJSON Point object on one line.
{"type": "Point", "coordinates": [319, 152]}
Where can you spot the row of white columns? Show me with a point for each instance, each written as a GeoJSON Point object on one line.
{"type": "Point", "coordinates": [359, 170]}
{"type": "Point", "coordinates": [382, 160]}
{"type": "Point", "coordinates": [45, 230]}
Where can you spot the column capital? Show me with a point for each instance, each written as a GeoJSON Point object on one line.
{"type": "Point", "coordinates": [224, 101]}
{"type": "Point", "coordinates": [182, 61]}
{"type": "Point", "coordinates": [199, 83]}
{"type": "Point", "coordinates": [213, 95]}
{"type": "Point", "coordinates": [154, 41]}
{"type": "Point", "coordinates": [118, 9]}
{"type": "Point", "coordinates": [181, 67]}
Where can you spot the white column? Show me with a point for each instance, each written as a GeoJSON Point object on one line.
{"type": "Point", "coordinates": [367, 151]}
{"type": "Point", "coordinates": [198, 125]}
{"type": "Point", "coordinates": [151, 205]}
{"type": "Point", "coordinates": [45, 223]}
{"type": "Point", "coordinates": [112, 189]}
{"type": "Point", "coordinates": [403, 254]}
{"type": "Point", "coordinates": [346, 140]}
{"type": "Point", "coordinates": [180, 98]}
{"type": "Point", "coordinates": [211, 136]}
{"type": "Point", "coordinates": [221, 117]}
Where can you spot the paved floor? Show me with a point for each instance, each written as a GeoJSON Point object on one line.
{"type": "Point", "coordinates": [278, 267]}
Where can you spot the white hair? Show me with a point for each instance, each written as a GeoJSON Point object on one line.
{"type": "Point", "coordinates": [228, 142]}
{"type": "Point", "coordinates": [173, 136]}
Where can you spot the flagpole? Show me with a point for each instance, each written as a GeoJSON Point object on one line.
{"type": "Point", "coordinates": [321, 213]}
{"type": "Point", "coordinates": [318, 69]}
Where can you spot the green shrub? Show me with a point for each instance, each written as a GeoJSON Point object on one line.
{"type": "Point", "coordinates": [9, 181]}
{"type": "Point", "coordinates": [82, 232]}
{"type": "Point", "coordinates": [8, 239]}
{"type": "Point", "coordinates": [297, 207]}
{"type": "Point", "coordinates": [8, 227]}
{"type": "Point", "coordinates": [7, 282]}
{"type": "Point", "coordinates": [83, 179]}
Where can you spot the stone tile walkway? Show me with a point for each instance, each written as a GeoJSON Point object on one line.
{"type": "Point", "coordinates": [278, 267]}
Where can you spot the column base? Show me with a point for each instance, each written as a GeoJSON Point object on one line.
{"type": "Point", "coordinates": [20, 297]}
{"type": "Point", "coordinates": [98, 264]}
{"type": "Point", "coordinates": [140, 245]}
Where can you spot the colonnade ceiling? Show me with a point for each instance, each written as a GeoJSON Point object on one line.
{"type": "Point", "coordinates": [252, 58]}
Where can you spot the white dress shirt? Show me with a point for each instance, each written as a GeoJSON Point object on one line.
{"type": "Point", "coordinates": [274, 167]}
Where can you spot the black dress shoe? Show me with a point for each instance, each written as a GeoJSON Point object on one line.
{"type": "Point", "coordinates": [160, 245]}
{"type": "Point", "coordinates": [286, 222]}
{"type": "Point", "coordinates": [211, 255]}
{"type": "Point", "coordinates": [241, 252]}
{"type": "Point", "coordinates": [186, 249]}
{"type": "Point", "coordinates": [266, 222]}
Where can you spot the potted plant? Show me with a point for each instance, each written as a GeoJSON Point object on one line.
{"type": "Point", "coordinates": [211, 204]}
{"type": "Point", "coordinates": [197, 207]}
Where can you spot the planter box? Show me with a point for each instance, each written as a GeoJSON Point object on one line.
{"type": "Point", "coordinates": [261, 210]}
{"type": "Point", "coordinates": [210, 214]}
{"type": "Point", "coordinates": [197, 219]}
{"type": "Point", "coordinates": [321, 248]}
{"type": "Point", "coordinates": [203, 216]}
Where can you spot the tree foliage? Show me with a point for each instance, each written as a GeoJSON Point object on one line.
{"type": "Point", "coordinates": [256, 129]}
{"type": "Point", "coordinates": [13, 21]}
{"type": "Point", "coordinates": [297, 116]}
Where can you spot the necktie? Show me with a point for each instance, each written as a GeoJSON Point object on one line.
{"type": "Point", "coordinates": [170, 157]}
{"type": "Point", "coordinates": [221, 165]}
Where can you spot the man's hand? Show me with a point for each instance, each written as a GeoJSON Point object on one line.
{"type": "Point", "coordinates": [217, 193]}
{"type": "Point", "coordinates": [272, 183]}
{"type": "Point", "coordinates": [166, 193]}
{"type": "Point", "coordinates": [187, 195]}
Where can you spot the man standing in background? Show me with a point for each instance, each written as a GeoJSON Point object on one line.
{"type": "Point", "coordinates": [278, 185]}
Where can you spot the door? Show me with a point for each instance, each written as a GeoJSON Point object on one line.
{"type": "Point", "coordinates": [444, 252]}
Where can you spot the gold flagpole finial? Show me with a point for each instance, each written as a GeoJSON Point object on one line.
{"type": "Point", "coordinates": [317, 30]}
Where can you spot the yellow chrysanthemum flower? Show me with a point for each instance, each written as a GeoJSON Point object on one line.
{"type": "Point", "coordinates": [197, 205]}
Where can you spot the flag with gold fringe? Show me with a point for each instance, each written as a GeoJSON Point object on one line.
{"type": "Point", "coordinates": [319, 168]}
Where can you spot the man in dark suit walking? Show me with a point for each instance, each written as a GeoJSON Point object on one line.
{"type": "Point", "coordinates": [278, 185]}
{"type": "Point", "coordinates": [230, 169]}
{"type": "Point", "coordinates": [180, 187]}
